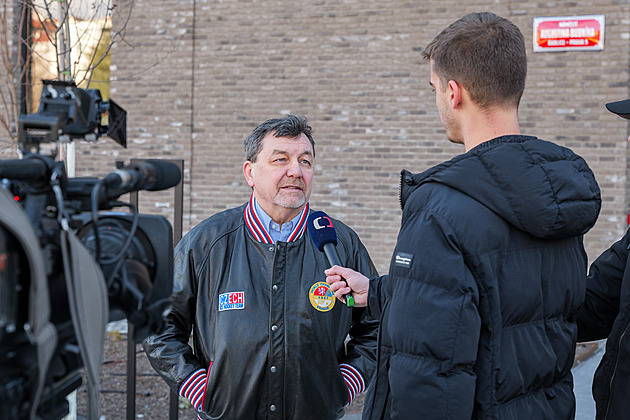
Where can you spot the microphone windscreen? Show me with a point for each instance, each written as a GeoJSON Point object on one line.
{"type": "Point", "coordinates": [321, 229]}
{"type": "Point", "coordinates": [167, 174]}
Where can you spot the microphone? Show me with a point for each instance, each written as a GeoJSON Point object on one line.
{"type": "Point", "coordinates": [324, 236]}
{"type": "Point", "coordinates": [150, 175]}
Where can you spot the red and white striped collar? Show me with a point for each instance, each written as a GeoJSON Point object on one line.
{"type": "Point", "coordinates": [259, 231]}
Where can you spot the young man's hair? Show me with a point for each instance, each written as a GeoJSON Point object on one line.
{"type": "Point", "coordinates": [486, 54]}
{"type": "Point", "coordinates": [288, 126]}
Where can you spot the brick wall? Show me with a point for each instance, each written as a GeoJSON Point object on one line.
{"type": "Point", "coordinates": [197, 76]}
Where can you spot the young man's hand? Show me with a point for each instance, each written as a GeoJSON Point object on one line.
{"type": "Point", "coordinates": [345, 280]}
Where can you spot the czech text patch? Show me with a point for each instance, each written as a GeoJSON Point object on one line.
{"type": "Point", "coordinates": [231, 300]}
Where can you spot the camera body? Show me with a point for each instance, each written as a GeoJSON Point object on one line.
{"type": "Point", "coordinates": [69, 265]}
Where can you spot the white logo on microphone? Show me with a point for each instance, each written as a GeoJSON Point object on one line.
{"type": "Point", "coordinates": [319, 225]}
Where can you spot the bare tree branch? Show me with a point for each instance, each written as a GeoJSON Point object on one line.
{"type": "Point", "coordinates": [51, 27]}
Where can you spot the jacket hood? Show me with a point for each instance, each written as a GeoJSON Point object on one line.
{"type": "Point", "coordinates": [537, 186]}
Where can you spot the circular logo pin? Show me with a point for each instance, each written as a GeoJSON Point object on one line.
{"type": "Point", "coordinates": [321, 297]}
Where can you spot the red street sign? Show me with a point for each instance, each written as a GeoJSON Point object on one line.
{"type": "Point", "coordinates": [569, 33]}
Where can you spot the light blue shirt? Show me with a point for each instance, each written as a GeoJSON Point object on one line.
{"type": "Point", "coordinates": [277, 232]}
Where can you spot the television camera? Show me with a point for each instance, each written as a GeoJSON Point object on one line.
{"type": "Point", "coordinates": [68, 265]}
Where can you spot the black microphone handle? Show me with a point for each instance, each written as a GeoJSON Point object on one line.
{"type": "Point", "coordinates": [333, 259]}
{"type": "Point", "coordinates": [331, 254]}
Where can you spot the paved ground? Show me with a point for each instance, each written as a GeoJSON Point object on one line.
{"type": "Point", "coordinates": [582, 380]}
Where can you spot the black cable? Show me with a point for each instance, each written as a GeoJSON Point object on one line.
{"type": "Point", "coordinates": [127, 244]}
{"type": "Point", "coordinates": [94, 211]}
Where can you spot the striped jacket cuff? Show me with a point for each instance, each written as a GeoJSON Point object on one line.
{"type": "Point", "coordinates": [194, 388]}
{"type": "Point", "coordinates": [354, 381]}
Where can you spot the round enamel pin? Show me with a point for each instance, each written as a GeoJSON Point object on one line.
{"type": "Point", "coordinates": [321, 297]}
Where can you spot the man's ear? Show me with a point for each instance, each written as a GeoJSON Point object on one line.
{"type": "Point", "coordinates": [455, 93]}
{"type": "Point", "coordinates": [248, 168]}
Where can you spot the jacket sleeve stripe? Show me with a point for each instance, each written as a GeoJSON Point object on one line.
{"type": "Point", "coordinates": [194, 388]}
{"type": "Point", "coordinates": [354, 380]}
{"type": "Point", "coordinates": [351, 384]}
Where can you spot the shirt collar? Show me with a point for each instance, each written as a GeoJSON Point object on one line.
{"type": "Point", "coordinates": [258, 223]}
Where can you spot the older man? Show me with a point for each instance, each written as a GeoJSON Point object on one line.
{"type": "Point", "coordinates": [268, 340]}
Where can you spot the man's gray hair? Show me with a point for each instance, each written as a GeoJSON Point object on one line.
{"type": "Point", "coordinates": [288, 126]}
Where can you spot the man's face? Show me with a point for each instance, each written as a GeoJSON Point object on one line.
{"type": "Point", "coordinates": [443, 103]}
{"type": "Point", "coordinates": [281, 176]}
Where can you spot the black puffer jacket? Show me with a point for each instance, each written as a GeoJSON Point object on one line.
{"type": "Point", "coordinates": [487, 275]}
{"type": "Point", "coordinates": [606, 314]}
{"type": "Point", "coordinates": [270, 353]}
